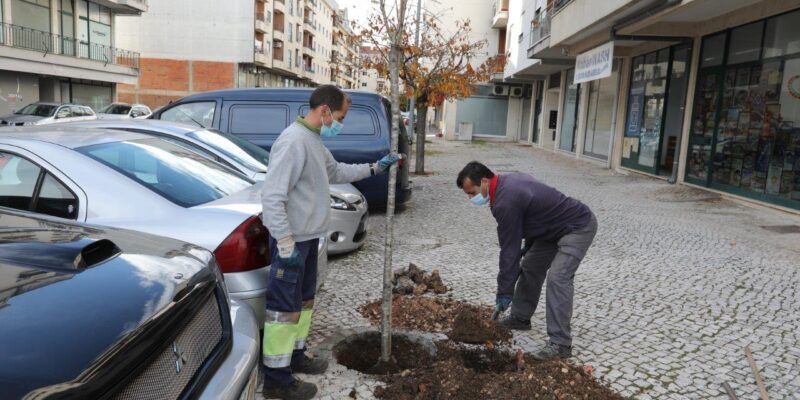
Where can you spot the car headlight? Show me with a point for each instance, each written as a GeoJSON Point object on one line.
{"type": "Point", "coordinates": [341, 204]}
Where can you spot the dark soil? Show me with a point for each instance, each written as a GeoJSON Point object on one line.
{"type": "Point", "coordinates": [461, 321]}
{"type": "Point", "coordinates": [473, 374]}
{"type": "Point", "coordinates": [363, 353]}
{"type": "Point", "coordinates": [412, 280]}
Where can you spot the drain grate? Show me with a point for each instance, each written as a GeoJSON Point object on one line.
{"type": "Point", "coordinates": [783, 229]}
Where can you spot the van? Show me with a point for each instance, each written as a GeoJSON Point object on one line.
{"type": "Point", "coordinates": [259, 115]}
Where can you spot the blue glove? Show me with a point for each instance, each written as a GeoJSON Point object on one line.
{"type": "Point", "coordinates": [502, 303]}
{"type": "Point", "coordinates": [387, 161]}
{"type": "Point", "coordinates": [288, 253]}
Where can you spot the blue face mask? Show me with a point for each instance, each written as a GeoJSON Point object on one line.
{"type": "Point", "coordinates": [333, 130]}
{"type": "Point", "coordinates": [479, 199]}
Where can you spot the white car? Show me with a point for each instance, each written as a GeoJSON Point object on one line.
{"type": "Point", "coordinates": [348, 226]}
{"type": "Point", "coordinates": [144, 183]}
{"type": "Point", "coordinates": [124, 111]}
{"type": "Point", "coordinates": [47, 113]}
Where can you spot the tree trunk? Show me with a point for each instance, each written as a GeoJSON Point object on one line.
{"type": "Point", "coordinates": [421, 125]}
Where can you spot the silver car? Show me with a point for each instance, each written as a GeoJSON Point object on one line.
{"type": "Point", "coordinates": [347, 231]}
{"type": "Point", "coordinates": [144, 183]}
{"type": "Point", "coordinates": [124, 111]}
{"type": "Point", "coordinates": [47, 113]}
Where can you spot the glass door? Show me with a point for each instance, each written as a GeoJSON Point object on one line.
{"type": "Point", "coordinates": [570, 122]}
{"type": "Point", "coordinates": [600, 116]}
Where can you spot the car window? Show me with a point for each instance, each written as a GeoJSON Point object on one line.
{"type": "Point", "coordinates": [56, 199]}
{"type": "Point", "coordinates": [360, 121]}
{"type": "Point", "coordinates": [64, 112]}
{"type": "Point", "coordinates": [77, 111]}
{"type": "Point", "coordinates": [87, 111]}
{"type": "Point", "coordinates": [138, 112]}
{"type": "Point", "coordinates": [200, 113]}
{"type": "Point", "coordinates": [254, 119]}
{"type": "Point", "coordinates": [39, 110]}
{"type": "Point", "coordinates": [174, 172]}
{"type": "Point", "coordinates": [120, 109]}
{"type": "Point", "coordinates": [230, 149]}
{"type": "Point", "coordinates": [18, 178]}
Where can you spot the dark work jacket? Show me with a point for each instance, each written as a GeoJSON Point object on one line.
{"type": "Point", "coordinates": [528, 209]}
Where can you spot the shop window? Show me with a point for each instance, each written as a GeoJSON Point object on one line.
{"type": "Point", "coordinates": [713, 51]}
{"type": "Point", "coordinates": [782, 36]}
{"type": "Point", "coordinates": [745, 43]}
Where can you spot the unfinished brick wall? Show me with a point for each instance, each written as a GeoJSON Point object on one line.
{"type": "Point", "coordinates": [164, 80]}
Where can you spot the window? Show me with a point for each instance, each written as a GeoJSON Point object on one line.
{"type": "Point", "coordinates": [63, 112]}
{"type": "Point", "coordinates": [56, 199]}
{"type": "Point", "coordinates": [199, 113]}
{"type": "Point", "coordinates": [235, 148]}
{"type": "Point", "coordinates": [18, 178]}
{"type": "Point", "coordinates": [258, 119]}
{"type": "Point", "coordinates": [176, 173]}
{"type": "Point", "coordinates": [782, 36]}
{"type": "Point", "coordinates": [745, 43]}
{"type": "Point", "coordinates": [359, 122]}
{"type": "Point", "coordinates": [713, 49]}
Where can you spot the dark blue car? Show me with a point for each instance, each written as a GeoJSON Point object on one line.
{"type": "Point", "coordinates": [260, 115]}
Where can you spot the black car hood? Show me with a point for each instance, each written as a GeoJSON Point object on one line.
{"type": "Point", "coordinates": [58, 317]}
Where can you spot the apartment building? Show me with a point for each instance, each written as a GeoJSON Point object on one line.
{"type": "Point", "coordinates": [190, 46]}
{"type": "Point", "coordinates": [64, 50]}
{"type": "Point", "coordinates": [704, 93]}
{"type": "Point", "coordinates": [369, 79]}
{"type": "Point", "coordinates": [345, 57]}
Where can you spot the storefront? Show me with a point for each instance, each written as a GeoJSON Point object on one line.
{"type": "Point", "coordinates": [745, 133]}
{"type": "Point", "coordinates": [655, 109]}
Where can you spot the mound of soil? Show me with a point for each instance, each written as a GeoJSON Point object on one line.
{"type": "Point", "coordinates": [473, 326]}
{"type": "Point", "coordinates": [461, 321]}
{"type": "Point", "coordinates": [455, 372]}
{"type": "Point", "coordinates": [412, 280]}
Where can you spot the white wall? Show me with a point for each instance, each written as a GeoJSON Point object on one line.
{"type": "Point", "coordinates": [520, 15]}
{"type": "Point", "coordinates": [580, 14]}
{"type": "Point", "coordinates": [208, 30]}
{"type": "Point", "coordinates": [478, 12]}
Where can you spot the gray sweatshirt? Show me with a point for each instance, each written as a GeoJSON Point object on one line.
{"type": "Point", "coordinates": [296, 192]}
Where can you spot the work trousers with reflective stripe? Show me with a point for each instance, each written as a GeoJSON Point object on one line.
{"type": "Point", "coordinates": [290, 300]}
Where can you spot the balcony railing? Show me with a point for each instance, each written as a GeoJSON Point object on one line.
{"type": "Point", "coordinates": [49, 43]}
{"type": "Point", "coordinates": [540, 28]}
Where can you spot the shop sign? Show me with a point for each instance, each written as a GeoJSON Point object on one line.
{"type": "Point", "coordinates": [595, 63]}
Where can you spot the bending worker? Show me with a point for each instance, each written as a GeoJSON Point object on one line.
{"type": "Point", "coordinates": [557, 231]}
{"type": "Point", "coordinates": [296, 207]}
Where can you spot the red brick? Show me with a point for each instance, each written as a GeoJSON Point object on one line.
{"type": "Point", "coordinates": [209, 75]}
{"type": "Point", "coordinates": [161, 74]}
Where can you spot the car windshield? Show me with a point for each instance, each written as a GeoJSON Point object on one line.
{"type": "Point", "coordinates": [174, 172]}
{"type": "Point", "coordinates": [229, 145]}
{"type": "Point", "coordinates": [39, 110]}
{"type": "Point", "coordinates": [116, 109]}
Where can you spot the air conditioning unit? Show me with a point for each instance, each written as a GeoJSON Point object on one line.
{"type": "Point", "coordinates": [500, 90]}
{"type": "Point", "coordinates": [516, 91]}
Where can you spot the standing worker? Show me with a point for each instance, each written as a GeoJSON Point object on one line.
{"type": "Point", "coordinates": [557, 231]}
{"type": "Point", "coordinates": [296, 207]}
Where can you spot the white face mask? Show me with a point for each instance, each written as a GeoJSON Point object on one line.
{"type": "Point", "coordinates": [479, 199]}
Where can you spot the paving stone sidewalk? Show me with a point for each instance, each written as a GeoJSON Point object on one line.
{"type": "Point", "coordinates": [677, 282]}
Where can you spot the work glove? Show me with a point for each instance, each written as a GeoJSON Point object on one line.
{"type": "Point", "coordinates": [502, 302]}
{"type": "Point", "coordinates": [288, 253]}
{"type": "Point", "coordinates": [387, 161]}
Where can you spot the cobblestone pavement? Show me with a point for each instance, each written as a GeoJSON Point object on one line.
{"type": "Point", "coordinates": [677, 282]}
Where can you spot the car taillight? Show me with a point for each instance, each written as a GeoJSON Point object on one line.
{"type": "Point", "coordinates": [245, 249]}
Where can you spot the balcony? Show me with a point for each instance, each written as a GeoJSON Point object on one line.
{"type": "Point", "coordinates": [125, 7]}
{"type": "Point", "coordinates": [277, 35]}
{"type": "Point", "coordinates": [540, 29]}
{"type": "Point", "coordinates": [46, 43]}
{"type": "Point", "coordinates": [280, 5]}
{"type": "Point", "coordinates": [310, 23]}
{"type": "Point", "coordinates": [500, 19]}
{"type": "Point", "coordinates": [261, 23]}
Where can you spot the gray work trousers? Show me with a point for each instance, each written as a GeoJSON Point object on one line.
{"type": "Point", "coordinates": [557, 262]}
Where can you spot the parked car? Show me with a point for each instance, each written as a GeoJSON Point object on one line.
{"type": "Point", "coordinates": [89, 313]}
{"type": "Point", "coordinates": [47, 113]}
{"type": "Point", "coordinates": [261, 114]}
{"type": "Point", "coordinates": [124, 111]}
{"type": "Point", "coordinates": [347, 231]}
{"type": "Point", "coordinates": [144, 183]}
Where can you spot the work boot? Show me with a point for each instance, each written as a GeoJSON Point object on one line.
{"type": "Point", "coordinates": [298, 390]}
{"type": "Point", "coordinates": [512, 322]}
{"type": "Point", "coordinates": [310, 366]}
{"type": "Point", "coordinates": [552, 351]}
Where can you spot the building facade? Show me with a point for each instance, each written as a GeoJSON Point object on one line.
{"type": "Point", "coordinates": [235, 43]}
{"type": "Point", "coordinates": [64, 51]}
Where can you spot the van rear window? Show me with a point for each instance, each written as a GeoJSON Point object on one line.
{"type": "Point", "coordinates": [360, 121]}
{"type": "Point", "coordinates": [258, 119]}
